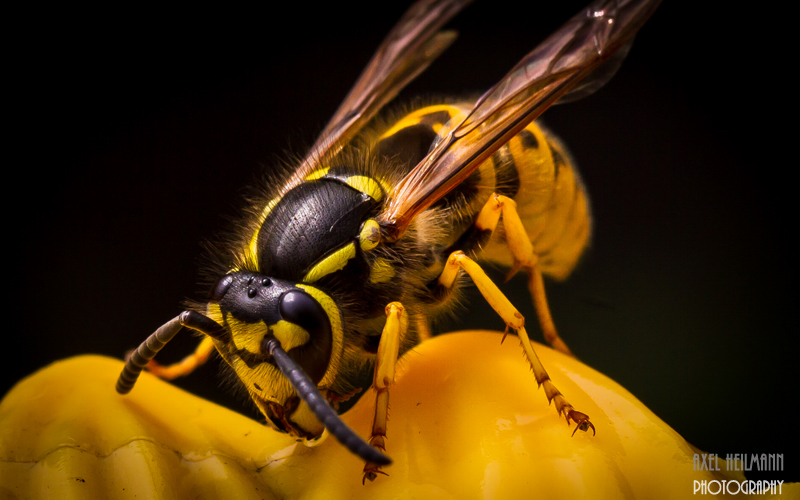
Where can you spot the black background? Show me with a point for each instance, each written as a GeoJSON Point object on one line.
{"type": "Point", "coordinates": [136, 133]}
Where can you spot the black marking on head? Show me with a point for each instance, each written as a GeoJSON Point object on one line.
{"type": "Point", "coordinates": [301, 309]}
{"type": "Point", "coordinates": [249, 358]}
{"type": "Point", "coordinates": [252, 297]}
{"type": "Point", "coordinates": [529, 140]}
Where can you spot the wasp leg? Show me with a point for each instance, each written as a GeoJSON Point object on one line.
{"type": "Point", "coordinates": [513, 319]}
{"type": "Point", "coordinates": [385, 363]}
{"type": "Point", "coordinates": [185, 366]}
{"type": "Point", "coordinates": [524, 258]}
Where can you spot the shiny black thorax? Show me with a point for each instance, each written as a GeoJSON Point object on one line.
{"type": "Point", "coordinates": [310, 221]}
{"type": "Point", "coordinates": [314, 220]}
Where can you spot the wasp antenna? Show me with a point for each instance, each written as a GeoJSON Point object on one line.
{"type": "Point", "coordinates": [319, 405]}
{"type": "Point", "coordinates": [204, 324]}
{"type": "Point", "coordinates": [147, 351]}
{"type": "Point", "coordinates": [155, 342]}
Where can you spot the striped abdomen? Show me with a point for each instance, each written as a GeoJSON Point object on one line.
{"type": "Point", "coordinates": [551, 201]}
{"type": "Point", "coordinates": [533, 168]}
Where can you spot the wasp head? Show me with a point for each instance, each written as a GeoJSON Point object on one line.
{"type": "Point", "coordinates": [254, 308]}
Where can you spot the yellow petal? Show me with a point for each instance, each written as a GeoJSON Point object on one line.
{"type": "Point", "coordinates": [466, 421]}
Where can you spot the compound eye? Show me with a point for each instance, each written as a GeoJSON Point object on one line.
{"type": "Point", "coordinates": [301, 309]}
{"type": "Point", "coordinates": [220, 289]}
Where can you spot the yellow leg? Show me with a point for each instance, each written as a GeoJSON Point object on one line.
{"type": "Point", "coordinates": [187, 365]}
{"type": "Point", "coordinates": [524, 258]}
{"type": "Point", "coordinates": [515, 320]}
{"type": "Point", "coordinates": [385, 363]}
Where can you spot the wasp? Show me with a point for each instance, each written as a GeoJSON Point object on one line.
{"type": "Point", "coordinates": [343, 262]}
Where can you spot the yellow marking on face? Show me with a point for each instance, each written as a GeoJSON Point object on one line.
{"type": "Point", "coordinates": [370, 235]}
{"type": "Point", "coordinates": [337, 335]}
{"type": "Point", "coordinates": [214, 312]}
{"type": "Point", "coordinates": [247, 336]}
{"type": "Point", "coordinates": [274, 386]}
{"type": "Point", "coordinates": [332, 263]}
{"type": "Point", "coordinates": [318, 174]}
{"type": "Point", "coordinates": [382, 271]}
{"type": "Point", "coordinates": [252, 249]}
{"type": "Point", "coordinates": [365, 185]}
{"type": "Point", "coordinates": [289, 334]}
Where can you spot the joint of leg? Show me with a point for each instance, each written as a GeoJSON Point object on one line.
{"type": "Point", "coordinates": [489, 215]}
{"type": "Point", "coordinates": [394, 308]}
{"type": "Point", "coordinates": [450, 272]}
{"type": "Point", "coordinates": [382, 384]}
{"type": "Point", "coordinates": [378, 441]}
{"type": "Point", "coordinates": [503, 200]}
{"type": "Point", "coordinates": [456, 257]}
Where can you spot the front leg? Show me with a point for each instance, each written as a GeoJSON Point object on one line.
{"type": "Point", "coordinates": [385, 364]}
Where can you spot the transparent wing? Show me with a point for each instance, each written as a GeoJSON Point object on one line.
{"type": "Point", "coordinates": [536, 82]}
{"type": "Point", "coordinates": [405, 53]}
{"type": "Point", "coordinates": [595, 80]}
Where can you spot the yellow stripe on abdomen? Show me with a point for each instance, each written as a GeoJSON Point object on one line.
{"type": "Point", "coordinates": [552, 203]}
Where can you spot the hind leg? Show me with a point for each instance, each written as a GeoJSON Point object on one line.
{"type": "Point", "coordinates": [524, 258]}
{"type": "Point", "coordinates": [513, 319]}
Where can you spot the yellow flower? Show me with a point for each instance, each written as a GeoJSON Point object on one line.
{"type": "Point", "coordinates": [466, 421]}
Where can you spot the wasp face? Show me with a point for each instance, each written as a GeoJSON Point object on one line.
{"type": "Point", "coordinates": [255, 308]}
